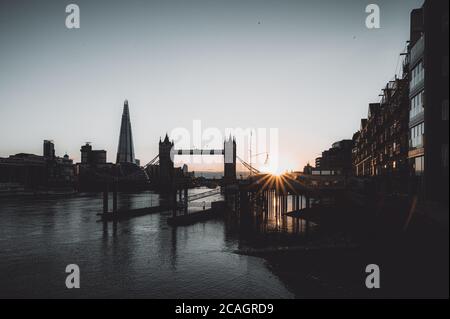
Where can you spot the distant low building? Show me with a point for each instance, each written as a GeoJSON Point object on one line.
{"type": "Point", "coordinates": [307, 170]}
{"type": "Point", "coordinates": [61, 171]}
{"type": "Point", "coordinates": [335, 161]}
{"type": "Point", "coordinates": [318, 162]}
{"type": "Point", "coordinates": [49, 149]}
{"type": "Point", "coordinates": [24, 170]}
{"type": "Point", "coordinates": [32, 171]}
{"type": "Point", "coordinates": [325, 172]}
{"type": "Point", "coordinates": [93, 171]}
{"type": "Point", "coordinates": [92, 157]}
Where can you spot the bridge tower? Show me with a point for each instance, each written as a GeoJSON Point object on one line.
{"type": "Point", "coordinates": [166, 166]}
{"type": "Point", "coordinates": [229, 160]}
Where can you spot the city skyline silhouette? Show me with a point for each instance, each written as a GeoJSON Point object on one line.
{"type": "Point", "coordinates": [227, 64]}
{"type": "Point", "coordinates": [208, 151]}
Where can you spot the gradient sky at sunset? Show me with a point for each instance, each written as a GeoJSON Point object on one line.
{"type": "Point", "coordinates": [309, 68]}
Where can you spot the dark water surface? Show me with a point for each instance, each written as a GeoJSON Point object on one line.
{"type": "Point", "coordinates": [137, 258]}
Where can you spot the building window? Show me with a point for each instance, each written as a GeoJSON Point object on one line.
{"type": "Point", "coordinates": [417, 133]}
{"type": "Point", "coordinates": [419, 165]}
{"type": "Point", "coordinates": [417, 105]}
{"type": "Point", "coordinates": [417, 75]}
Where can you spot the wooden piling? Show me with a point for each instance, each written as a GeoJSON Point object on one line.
{"type": "Point", "coordinates": [105, 200]}
{"type": "Point", "coordinates": [115, 199]}
{"type": "Point", "coordinates": [174, 203]}
{"type": "Point", "coordinates": [185, 200]}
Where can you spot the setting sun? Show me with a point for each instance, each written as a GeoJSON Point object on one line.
{"type": "Point", "coordinates": [273, 170]}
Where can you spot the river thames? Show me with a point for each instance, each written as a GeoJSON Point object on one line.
{"type": "Point", "coordinates": [137, 258]}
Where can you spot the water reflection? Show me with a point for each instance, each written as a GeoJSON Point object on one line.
{"type": "Point", "coordinates": [141, 257]}
{"type": "Point", "coordinates": [263, 219]}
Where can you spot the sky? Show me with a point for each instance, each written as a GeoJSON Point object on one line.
{"type": "Point", "coordinates": [307, 68]}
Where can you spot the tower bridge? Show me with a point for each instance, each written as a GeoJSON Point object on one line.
{"type": "Point", "coordinates": [167, 152]}
{"type": "Point", "coordinates": [165, 165]}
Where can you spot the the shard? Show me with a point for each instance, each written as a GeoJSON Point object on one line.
{"type": "Point", "coordinates": [125, 151]}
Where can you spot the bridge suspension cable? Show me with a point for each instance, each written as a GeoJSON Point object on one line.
{"type": "Point", "coordinates": [248, 166]}
{"type": "Point", "coordinates": [154, 161]}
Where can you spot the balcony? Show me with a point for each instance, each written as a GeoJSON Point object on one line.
{"type": "Point", "coordinates": [414, 88]}
{"type": "Point", "coordinates": [417, 51]}
{"type": "Point", "coordinates": [416, 119]}
{"type": "Point", "coordinates": [416, 152]}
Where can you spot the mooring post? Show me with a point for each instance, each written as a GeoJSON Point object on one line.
{"type": "Point", "coordinates": [281, 203]}
{"type": "Point", "coordinates": [285, 203]}
{"type": "Point", "coordinates": [174, 203]}
{"type": "Point", "coordinates": [266, 201]}
{"type": "Point", "coordinates": [105, 200]}
{"type": "Point", "coordinates": [115, 198]}
{"type": "Point", "coordinates": [292, 202]}
{"type": "Point", "coordinates": [277, 202]}
{"type": "Point", "coordinates": [185, 200]}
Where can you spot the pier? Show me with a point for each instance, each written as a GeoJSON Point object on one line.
{"type": "Point", "coordinates": [178, 202]}
{"type": "Point", "coordinates": [217, 209]}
